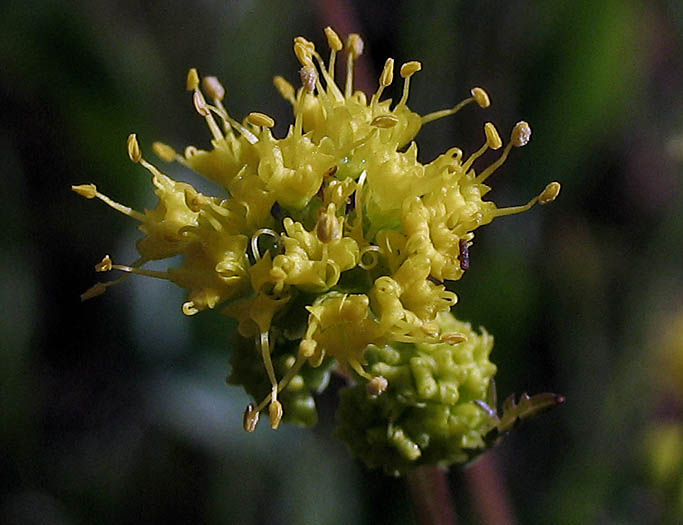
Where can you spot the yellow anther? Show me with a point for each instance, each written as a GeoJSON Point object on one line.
{"type": "Point", "coordinates": [251, 416]}
{"type": "Point", "coordinates": [94, 291]}
{"type": "Point", "coordinates": [89, 191]}
{"type": "Point", "coordinates": [213, 88]}
{"type": "Point", "coordinates": [481, 97]}
{"type": "Point", "coordinates": [164, 151]}
{"type": "Point", "coordinates": [194, 200]}
{"type": "Point", "coordinates": [104, 265]}
{"type": "Point", "coordinates": [306, 43]}
{"type": "Point", "coordinates": [333, 39]}
{"type": "Point", "coordinates": [410, 68]}
{"type": "Point", "coordinates": [285, 88]}
{"type": "Point", "coordinates": [355, 45]}
{"type": "Point", "coordinates": [492, 138]}
{"type": "Point", "coordinates": [377, 385]}
{"type": "Point", "coordinates": [260, 119]}
{"type": "Point", "coordinates": [328, 228]}
{"type": "Point", "coordinates": [521, 134]}
{"type": "Point", "coordinates": [303, 54]}
{"type": "Point", "coordinates": [192, 79]}
{"type": "Point", "coordinates": [384, 121]}
{"type": "Point", "coordinates": [200, 104]}
{"type": "Point", "coordinates": [309, 76]}
{"type": "Point", "coordinates": [307, 347]}
{"type": "Point", "coordinates": [453, 338]}
{"type": "Point", "coordinates": [189, 308]}
{"type": "Point", "coordinates": [275, 412]}
{"type": "Point", "coordinates": [134, 152]}
{"type": "Point", "coordinates": [550, 193]}
{"type": "Point", "coordinates": [387, 76]}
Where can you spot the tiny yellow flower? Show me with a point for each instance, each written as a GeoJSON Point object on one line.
{"type": "Point", "coordinates": [336, 226]}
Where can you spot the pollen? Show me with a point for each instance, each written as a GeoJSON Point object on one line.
{"type": "Point", "coordinates": [326, 241]}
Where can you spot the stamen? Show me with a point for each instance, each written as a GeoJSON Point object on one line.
{"type": "Point", "coordinates": [275, 413]}
{"type": "Point", "coordinates": [192, 79]}
{"type": "Point", "coordinates": [550, 193]}
{"type": "Point", "coordinates": [354, 49]}
{"type": "Point", "coordinates": [519, 137]}
{"type": "Point", "coordinates": [165, 152]}
{"type": "Point", "coordinates": [492, 141]}
{"type": "Point", "coordinates": [453, 338]}
{"type": "Point", "coordinates": [189, 308]}
{"type": "Point", "coordinates": [214, 89]}
{"type": "Point", "coordinates": [384, 121]}
{"type": "Point", "coordinates": [521, 134]}
{"type": "Point", "coordinates": [89, 191]}
{"type": "Point", "coordinates": [481, 97]}
{"type": "Point", "coordinates": [200, 103]}
{"type": "Point", "coordinates": [385, 79]}
{"type": "Point", "coordinates": [408, 70]}
{"type": "Point", "coordinates": [104, 265]}
{"type": "Point", "coordinates": [260, 119]}
{"type": "Point", "coordinates": [133, 147]}
{"type": "Point", "coordinates": [336, 45]}
{"type": "Point", "coordinates": [492, 138]}
{"type": "Point", "coordinates": [303, 54]}
{"type": "Point", "coordinates": [268, 363]}
{"type": "Point", "coordinates": [285, 89]}
{"type": "Point", "coordinates": [141, 271]}
{"type": "Point", "coordinates": [251, 417]}
{"type": "Point", "coordinates": [377, 385]}
{"type": "Point", "coordinates": [374, 257]}
{"type": "Point", "coordinates": [94, 291]}
{"type": "Point", "coordinates": [333, 39]}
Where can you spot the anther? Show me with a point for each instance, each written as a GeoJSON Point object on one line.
{"type": "Point", "coordinates": [307, 347]}
{"type": "Point", "coordinates": [480, 97]}
{"type": "Point", "coordinates": [492, 138]}
{"type": "Point", "coordinates": [410, 68]}
{"type": "Point", "coordinates": [192, 80]}
{"type": "Point", "coordinates": [94, 291]}
{"type": "Point", "coordinates": [189, 308]}
{"type": "Point", "coordinates": [213, 88]}
{"type": "Point", "coordinates": [521, 134]}
{"type": "Point", "coordinates": [251, 417]}
{"type": "Point", "coordinates": [164, 151]}
{"type": "Point", "coordinates": [333, 39]}
{"type": "Point", "coordinates": [275, 412]}
{"type": "Point", "coordinates": [134, 152]}
{"type": "Point", "coordinates": [387, 76]}
{"type": "Point", "coordinates": [260, 119]}
{"type": "Point", "coordinates": [308, 76]}
{"type": "Point", "coordinates": [453, 338]}
{"type": "Point", "coordinates": [327, 227]}
{"type": "Point", "coordinates": [355, 45]}
{"type": "Point", "coordinates": [285, 88]}
{"type": "Point", "coordinates": [200, 104]}
{"type": "Point", "coordinates": [303, 54]}
{"type": "Point", "coordinates": [376, 386]}
{"type": "Point", "coordinates": [89, 191]}
{"type": "Point", "coordinates": [550, 193]}
{"type": "Point", "coordinates": [104, 265]}
{"type": "Point", "coordinates": [384, 121]}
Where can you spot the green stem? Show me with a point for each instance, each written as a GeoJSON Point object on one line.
{"type": "Point", "coordinates": [431, 496]}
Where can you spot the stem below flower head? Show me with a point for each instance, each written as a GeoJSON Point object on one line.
{"type": "Point", "coordinates": [431, 496]}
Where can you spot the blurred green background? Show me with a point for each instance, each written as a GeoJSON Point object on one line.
{"type": "Point", "coordinates": [116, 410]}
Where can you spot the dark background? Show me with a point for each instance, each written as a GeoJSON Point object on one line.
{"type": "Point", "coordinates": [116, 410]}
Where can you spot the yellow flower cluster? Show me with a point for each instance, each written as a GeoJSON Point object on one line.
{"type": "Point", "coordinates": [338, 216]}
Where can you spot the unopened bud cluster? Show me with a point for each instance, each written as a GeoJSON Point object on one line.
{"type": "Point", "coordinates": [331, 247]}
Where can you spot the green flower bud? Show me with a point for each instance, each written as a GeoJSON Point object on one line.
{"type": "Point", "coordinates": [429, 413]}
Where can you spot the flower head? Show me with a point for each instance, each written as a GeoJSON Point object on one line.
{"type": "Point", "coordinates": [329, 241]}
